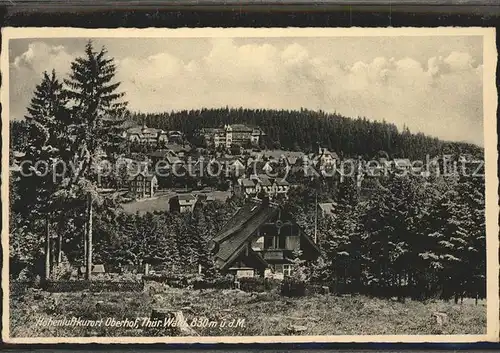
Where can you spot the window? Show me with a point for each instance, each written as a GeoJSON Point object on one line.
{"type": "Point", "coordinates": [282, 242]}
{"type": "Point", "coordinates": [287, 270]}
{"type": "Point", "coordinates": [269, 242]}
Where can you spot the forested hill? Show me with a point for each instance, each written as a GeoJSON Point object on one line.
{"type": "Point", "coordinates": [304, 129]}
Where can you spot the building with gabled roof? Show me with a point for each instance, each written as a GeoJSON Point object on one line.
{"type": "Point", "coordinates": [259, 239]}
{"type": "Point", "coordinates": [143, 184]}
{"type": "Point", "coordinates": [146, 135]}
{"type": "Point", "coordinates": [182, 203]}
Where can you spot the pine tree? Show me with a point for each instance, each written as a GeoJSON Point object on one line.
{"type": "Point", "coordinates": [93, 100]}
{"type": "Point", "coordinates": [44, 143]}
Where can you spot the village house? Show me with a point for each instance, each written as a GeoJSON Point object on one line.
{"type": "Point", "coordinates": [161, 155]}
{"type": "Point", "coordinates": [260, 240]}
{"type": "Point", "coordinates": [180, 150]}
{"type": "Point", "coordinates": [402, 164]}
{"type": "Point", "coordinates": [256, 167]}
{"type": "Point", "coordinates": [246, 187]}
{"type": "Point", "coordinates": [325, 158]}
{"type": "Point", "coordinates": [182, 203]}
{"type": "Point", "coordinates": [279, 188]}
{"type": "Point", "coordinates": [143, 185]}
{"type": "Point", "coordinates": [326, 209]}
{"type": "Point", "coordinates": [175, 137]}
{"type": "Point", "coordinates": [231, 166]}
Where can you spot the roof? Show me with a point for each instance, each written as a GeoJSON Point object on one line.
{"type": "Point", "coordinates": [239, 230]}
{"type": "Point", "coordinates": [177, 148]}
{"type": "Point", "coordinates": [159, 154]}
{"type": "Point", "coordinates": [186, 197]}
{"type": "Point", "coordinates": [327, 207]}
{"type": "Point", "coordinates": [241, 227]}
{"type": "Point", "coordinates": [247, 183]}
{"type": "Point", "coordinates": [172, 160]}
{"type": "Point", "coordinates": [95, 269]}
{"type": "Point", "coordinates": [402, 162]}
{"type": "Point", "coordinates": [265, 181]}
{"type": "Point", "coordinates": [242, 127]}
{"type": "Point", "coordinates": [211, 130]}
{"type": "Point", "coordinates": [334, 155]}
{"type": "Point", "coordinates": [140, 130]}
{"type": "Point", "coordinates": [98, 269]}
{"type": "Point", "coordinates": [282, 182]}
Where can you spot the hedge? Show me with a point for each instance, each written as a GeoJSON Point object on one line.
{"type": "Point", "coordinates": [93, 286]}
{"type": "Point", "coordinates": [258, 284]}
{"type": "Point", "coordinates": [293, 288]}
{"type": "Point", "coordinates": [176, 281]}
{"type": "Point", "coordinates": [218, 283]}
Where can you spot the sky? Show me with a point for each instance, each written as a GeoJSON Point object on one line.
{"type": "Point", "coordinates": [431, 84]}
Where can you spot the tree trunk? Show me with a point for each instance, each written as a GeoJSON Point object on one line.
{"type": "Point", "coordinates": [47, 248]}
{"type": "Point", "coordinates": [85, 231]}
{"type": "Point", "coordinates": [59, 247]}
{"type": "Point", "coordinates": [88, 269]}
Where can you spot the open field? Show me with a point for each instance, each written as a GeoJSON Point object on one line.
{"type": "Point", "coordinates": [263, 313]}
{"type": "Point", "coordinates": [160, 202]}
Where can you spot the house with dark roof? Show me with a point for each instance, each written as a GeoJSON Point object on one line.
{"type": "Point", "coordinates": [324, 158]}
{"type": "Point", "coordinates": [231, 166]}
{"type": "Point", "coordinates": [245, 187]}
{"type": "Point", "coordinates": [260, 240]}
{"type": "Point", "coordinates": [175, 137]}
{"type": "Point", "coordinates": [182, 203]}
{"type": "Point", "coordinates": [161, 155]}
{"type": "Point", "coordinates": [403, 164]}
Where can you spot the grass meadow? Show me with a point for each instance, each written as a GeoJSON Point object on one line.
{"type": "Point", "coordinates": [265, 313]}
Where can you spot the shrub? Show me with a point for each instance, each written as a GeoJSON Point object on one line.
{"type": "Point", "coordinates": [225, 282]}
{"type": "Point", "coordinates": [65, 286]}
{"type": "Point", "coordinates": [176, 281]}
{"type": "Point", "coordinates": [25, 275]}
{"type": "Point", "coordinates": [112, 286]}
{"type": "Point", "coordinates": [63, 270]}
{"type": "Point", "coordinates": [18, 288]}
{"type": "Point", "coordinates": [312, 289]}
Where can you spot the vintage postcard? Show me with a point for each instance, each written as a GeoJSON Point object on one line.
{"type": "Point", "coordinates": [249, 185]}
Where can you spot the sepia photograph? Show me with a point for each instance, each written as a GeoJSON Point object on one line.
{"type": "Point", "coordinates": [249, 185]}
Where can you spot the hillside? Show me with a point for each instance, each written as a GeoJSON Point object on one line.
{"type": "Point", "coordinates": [304, 129]}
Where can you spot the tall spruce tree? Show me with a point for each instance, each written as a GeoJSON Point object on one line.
{"type": "Point", "coordinates": [94, 101]}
